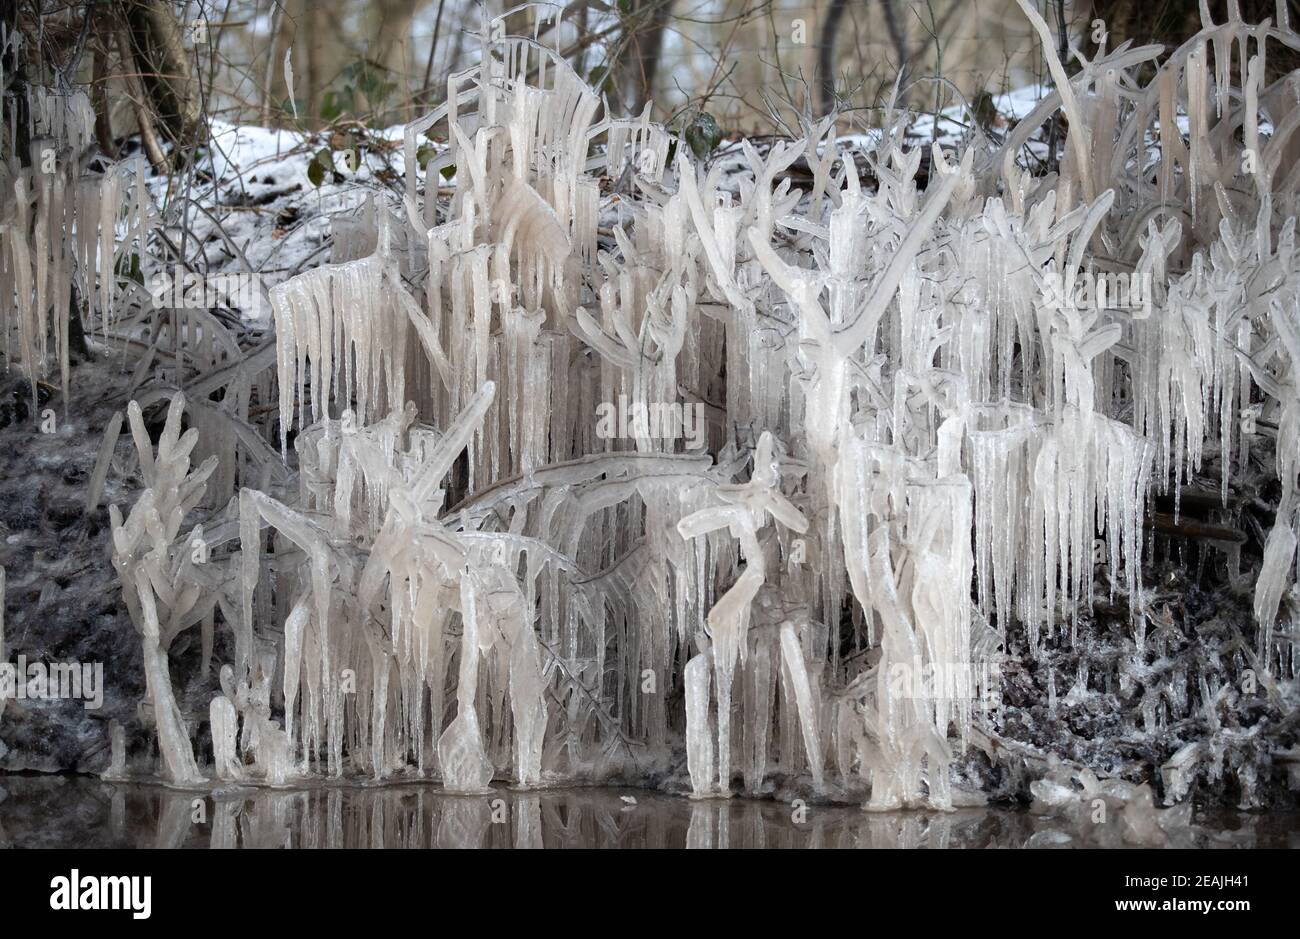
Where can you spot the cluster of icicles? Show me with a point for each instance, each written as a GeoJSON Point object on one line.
{"type": "Point", "coordinates": [62, 233]}
{"type": "Point", "coordinates": [910, 453]}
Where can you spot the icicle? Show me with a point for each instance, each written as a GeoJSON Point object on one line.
{"type": "Point", "coordinates": [699, 728]}
{"type": "Point", "coordinates": [95, 485]}
{"type": "Point", "coordinates": [792, 655]}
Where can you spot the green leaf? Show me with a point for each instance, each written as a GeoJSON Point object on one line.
{"type": "Point", "coordinates": [703, 135]}
{"type": "Point", "coordinates": [424, 154]}
{"type": "Point", "coordinates": [321, 163]}
{"type": "Point", "coordinates": [448, 171]}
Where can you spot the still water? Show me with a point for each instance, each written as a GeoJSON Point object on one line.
{"type": "Point", "coordinates": [82, 812]}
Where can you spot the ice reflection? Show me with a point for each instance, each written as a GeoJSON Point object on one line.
{"type": "Point", "coordinates": [81, 812]}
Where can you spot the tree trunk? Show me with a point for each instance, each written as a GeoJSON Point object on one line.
{"type": "Point", "coordinates": [99, 101]}
{"type": "Point", "coordinates": [643, 40]}
{"type": "Point", "coordinates": [826, 56]}
{"type": "Point", "coordinates": [148, 139]}
{"type": "Point", "coordinates": [167, 72]}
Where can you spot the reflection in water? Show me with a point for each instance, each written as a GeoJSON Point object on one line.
{"type": "Point", "coordinates": [82, 812]}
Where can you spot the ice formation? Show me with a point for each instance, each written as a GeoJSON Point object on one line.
{"type": "Point", "coordinates": [64, 232]}
{"type": "Point", "coordinates": [922, 442]}
{"type": "Point", "coordinates": [153, 562]}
